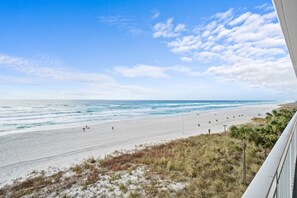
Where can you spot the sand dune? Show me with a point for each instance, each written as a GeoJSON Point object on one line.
{"type": "Point", "coordinates": [23, 153]}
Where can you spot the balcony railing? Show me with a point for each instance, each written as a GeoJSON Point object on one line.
{"type": "Point", "coordinates": [276, 176]}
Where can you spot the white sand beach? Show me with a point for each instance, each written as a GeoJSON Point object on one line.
{"type": "Point", "coordinates": [22, 153]}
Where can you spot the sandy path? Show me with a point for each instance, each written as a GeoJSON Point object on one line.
{"type": "Point", "coordinates": [20, 154]}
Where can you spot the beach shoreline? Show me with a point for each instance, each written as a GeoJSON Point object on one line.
{"type": "Point", "coordinates": [21, 153]}
{"type": "Point", "coordinates": [34, 116]}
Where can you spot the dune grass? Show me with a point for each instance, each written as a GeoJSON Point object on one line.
{"type": "Point", "coordinates": [210, 164]}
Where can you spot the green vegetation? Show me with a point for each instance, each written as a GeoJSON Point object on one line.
{"type": "Point", "coordinates": [209, 164]}
{"type": "Point", "coordinates": [123, 188]}
{"type": "Point", "coordinates": [198, 166]}
{"type": "Point", "coordinates": [264, 131]}
{"type": "Point", "coordinates": [205, 165]}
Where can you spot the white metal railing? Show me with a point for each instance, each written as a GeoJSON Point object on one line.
{"type": "Point", "coordinates": [275, 178]}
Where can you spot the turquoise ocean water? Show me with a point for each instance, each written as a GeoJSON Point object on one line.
{"type": "Point", "coordinates": [34, 115]}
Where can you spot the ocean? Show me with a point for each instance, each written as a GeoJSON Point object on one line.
{"type": "Point", "coordinates": [37, 115]}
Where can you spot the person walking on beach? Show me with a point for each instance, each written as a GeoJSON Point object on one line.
{"type": "Point", "coordinates": [112, 128]}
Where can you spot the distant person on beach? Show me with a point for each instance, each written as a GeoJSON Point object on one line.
{"type": "Point", "coordinates": [112, 128]}
{"type": "Point", "coordinates": [84, 129]}
{"type": "Point", "coordinates": [208, 131]}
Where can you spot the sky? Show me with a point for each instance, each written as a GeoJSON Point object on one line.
{"type": "Point", "coordinates": [138, 49]}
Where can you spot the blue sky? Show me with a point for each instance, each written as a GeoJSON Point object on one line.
{"type": "Point", "coordinates": [186, 49]}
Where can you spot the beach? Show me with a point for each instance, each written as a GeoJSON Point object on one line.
{"type": "Point", "coordinates": [25, 152]}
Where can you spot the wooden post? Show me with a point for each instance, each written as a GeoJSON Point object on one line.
{"type": "Point", "coordinates": [225, 125]}
{"type": "Point", "coordinates": [244, 163]}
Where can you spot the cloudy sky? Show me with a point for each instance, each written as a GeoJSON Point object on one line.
{"type": "Point", "coordinates": [177, 49]}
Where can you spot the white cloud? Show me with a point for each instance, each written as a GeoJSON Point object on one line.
{"type": "Point", "coordinates": [260, 73]}
{"type": "Point", "coordinates": [264, 6]}
{"type": "Point", "coordinates": [186, 59]}
{"type": "Point", "coordinates": [34, 68]}
{"type": "Point", "coordinates": [180, 28]}
{"type": "Point", "coordinates": [247, 47]}
{"type": "Point", "coordinates": [185, 44]}
{"type": "Point", "coordinates": [11, 60]}
{"type": "Point", "coordinates": [115, 20]}
{"type": "Point", "coordinates": [210, 26]}
{"type": "Point", "coordinates": [141, 71]}
{"type": "Point", "coordinates": [121, 22]}
{"type": "Point", "coordinates": [15, 80]}
{"type": "Point", "coordinates": [240, 19]}
{"type": "Point", "coordinates": [228, 33]}
{"type": "Point", "coordinates": [224, 16]}
{"type": "Point", "coordinates": [110, 91]}
{"type": "Point", "coordinates": [167, 29]}
{"type": "Point", "coordinates": [150, 71]}
{"type": "Point", "coordinates": [87, 85]}
{"type": "Point", "coordinates": [88, 91]}
{"type": "Point", "coordinates": [184, 70]}
{"type": "Point", "coordinates": [156, 15]}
